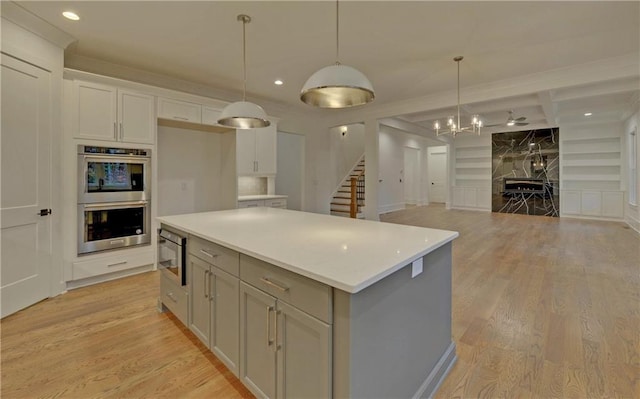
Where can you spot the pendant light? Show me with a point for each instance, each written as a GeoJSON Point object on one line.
{"type": "Point", "coordinates": [243, 114]}
{"type": "Point", "coordinates": [337, 86]}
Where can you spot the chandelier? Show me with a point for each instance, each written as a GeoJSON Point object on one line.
{"type": "Point", "coordinates": [453, 124]}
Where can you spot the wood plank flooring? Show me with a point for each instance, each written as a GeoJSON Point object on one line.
{"type": "Point", "coordinates": [542, 307]}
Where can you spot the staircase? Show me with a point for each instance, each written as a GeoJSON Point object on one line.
{"type": "Point", "coordinates": [348, 199]}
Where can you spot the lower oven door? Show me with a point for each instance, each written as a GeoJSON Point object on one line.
{"type": "Point", "coordinates": [113, 225]}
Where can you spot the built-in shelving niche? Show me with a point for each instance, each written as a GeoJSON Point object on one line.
{"type": "Point", "coordinates": [526, 173]}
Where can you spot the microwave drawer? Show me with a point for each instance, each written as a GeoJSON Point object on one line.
{"type": "Point", "coordinates": [217, 255]}
{"type": "Point", "coordinates": [302, 292]}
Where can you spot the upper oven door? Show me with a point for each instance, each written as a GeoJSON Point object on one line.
{"type": "Point", "coordinates": [113, 178]}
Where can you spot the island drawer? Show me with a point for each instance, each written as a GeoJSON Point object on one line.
{"type": "Point", "coordinates": [302, 292]}
{"type": "Point", "coordinates": [174, 298]}
{"type": "Point", "coordinates": [217, 255]}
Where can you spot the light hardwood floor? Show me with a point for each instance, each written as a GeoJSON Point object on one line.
{"type": "Point", "coordinates": [542, 307]}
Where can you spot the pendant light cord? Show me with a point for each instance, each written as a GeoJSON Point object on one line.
{"type": "Point", "coordinates": [244, 59]}
{"type": "Point", "coordinates": [337, 34]}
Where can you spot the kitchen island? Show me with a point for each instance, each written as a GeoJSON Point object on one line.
{"type": "Point", "coordinates": [328, 306]}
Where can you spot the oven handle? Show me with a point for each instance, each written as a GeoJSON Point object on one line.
{"type": "Point", "coordinates": [115, 205]}
{"type": "Point", "coordinates": [116, 158]}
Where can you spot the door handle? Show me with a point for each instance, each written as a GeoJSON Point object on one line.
{"type": "Point", "coordinates": [44, 212]}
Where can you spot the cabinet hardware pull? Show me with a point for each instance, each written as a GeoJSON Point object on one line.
{"type": "Point", "coordinates": [208, 254]}
{"type": "Point", "coordinates": [121, 132]}
{"type": "Point", "coordinates": [124, 262]}
{"type": "Point", "coordinates": [271, 283]}
{"type": "Point", "coordinates": [211, 285]}
{"type": "Point", "coordinates": [113, 242]}
{"type": "Point", "coordinates": [181, 118]}
{"type": "Point", "coordinates": [277, 346]}
{"type": "Point", "coordinates": [170, 295]}
{"type": "Point", "coordinates": [206, 284]}
{"type": "Point", "coordinates": [115, 131]}
{"type": "Point", "coordinates": [269, 341]}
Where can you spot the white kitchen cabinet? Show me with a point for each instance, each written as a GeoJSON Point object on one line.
{"type": "Point", "coordinates": [110, 262]}
{"type": "Point", "coordinates": [250, 204]}
{"type": "Point", "coordinates": [256, 151]}
{"type": "Point", "coordinates": [214, 311]}
{"type": "Point", "coordinates": [112, 114]}
{"type": "Point", "coordinates": [210, 116]}
{"type": "Point", "coordinates": [270, 203]}
{"type": "Point", "coordinates": [179, 110]}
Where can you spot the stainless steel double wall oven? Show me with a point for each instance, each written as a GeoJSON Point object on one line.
{"type": "Point", "coordinates": [114, 194]}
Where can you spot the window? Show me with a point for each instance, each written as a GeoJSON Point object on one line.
{"type": "Point", "coordinates": [633, 166]}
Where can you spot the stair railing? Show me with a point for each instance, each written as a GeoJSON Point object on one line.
{"type": "Point", "coordinates": [357, 194]}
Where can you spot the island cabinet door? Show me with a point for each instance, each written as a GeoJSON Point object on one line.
{"type": "Point", "coordinates": [257, 341]}
{"type": "Point", "coordinates": [225, 319]}
{"type": "Point", "coordinates": [199, 312]}
{"type": "Point", "coordinates": [304, 354]}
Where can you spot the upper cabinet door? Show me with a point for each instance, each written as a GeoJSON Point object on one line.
{"type": "Point", "coordinates": [136, 117]}
{"type": "Point", "coordinates": [246, 152]}
{"type": "Point", "coordinates": [256, 151]}
{"type": "Point", "coordinates": [96, 111]}
{"type": "Point", "coordinates": [266, 143]}
{"type": "Point", "coordinates": [179, 110]}
{"type": "Point", "coordinates": [210, 116]}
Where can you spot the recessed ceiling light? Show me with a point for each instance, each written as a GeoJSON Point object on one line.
{"type": "Point", "coordinates": [278, 82]}
{"type": "Point", "coordinates": [71, 15]}
{"type": "Point", "coordinates": [588, 114]}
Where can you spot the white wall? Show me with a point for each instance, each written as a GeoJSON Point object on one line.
{"type": "Point", "coordinates": [345, 150]}
{"type": "Point", "coordinates": [317, 182]}
{"type": "Point", "coordinates": [190, 171]}
{"type": "Point", "coordinates": [290, 178]}
{"type": "Point", "coordinates": [631, 212]}
{"type": "Point", "coordinates": [391, 163]}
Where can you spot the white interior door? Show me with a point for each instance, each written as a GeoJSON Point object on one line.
{"type": "Point", "coordinates": [25, 236]}
{"type": "Point", "coordinates": [437, 165]}
{"type": "Point", "coordinates": [411, 175]}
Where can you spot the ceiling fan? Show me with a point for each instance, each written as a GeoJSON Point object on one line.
{"type": "Point", "coordinates": [511, 121]}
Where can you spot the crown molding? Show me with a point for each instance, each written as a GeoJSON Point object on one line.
{"type": "Point", "coordinates": [34, 24]}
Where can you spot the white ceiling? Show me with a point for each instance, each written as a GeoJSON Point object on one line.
{"type": "Point", "coordinates": [405, 48]}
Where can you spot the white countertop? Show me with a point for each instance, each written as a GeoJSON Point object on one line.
{"type": "Point", "coordinates": [259, 197]}
{"type": "Point", "coordinates": [348, 254]}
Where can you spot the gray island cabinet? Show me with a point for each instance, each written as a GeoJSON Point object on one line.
{"type": "Point", "coordinates": [301, 305]}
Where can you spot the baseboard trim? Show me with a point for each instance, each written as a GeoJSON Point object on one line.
{"type": "Point", "coordinates": [633, 223]}
{"type": "Point", "coordinates": [462, 208]}
{"type": "Point", "coordinates": [587, 217]}
{"type": "Point", "coordinates": [72, 285]}
{"type": "Point", "coordinates": [391, 208]}
{"type": "Point", "coordinates": [435, 378]}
